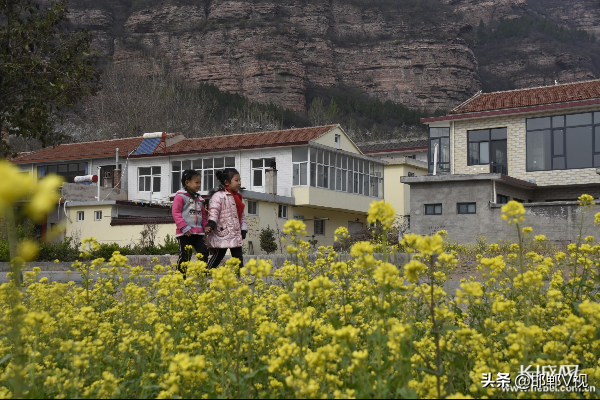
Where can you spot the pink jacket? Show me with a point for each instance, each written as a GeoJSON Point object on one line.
{"type": "Point", "coordinates": [223, 211]}
{"type": "Point", "coordinates": [189, 214]}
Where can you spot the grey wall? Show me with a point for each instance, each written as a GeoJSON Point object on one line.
{"type": "Point", "coordinates": [558, 221]}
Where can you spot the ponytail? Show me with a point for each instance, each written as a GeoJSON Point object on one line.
{"type": "Point", "coordinates": [226, 175]}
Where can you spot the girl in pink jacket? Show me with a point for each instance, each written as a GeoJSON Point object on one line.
{"type": "Point", "coordinates": [190, 218]}
{"type": "Point", "coordinates": [227, 225]}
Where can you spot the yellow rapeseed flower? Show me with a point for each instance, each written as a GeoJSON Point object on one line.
{"type": "Point", "coordinates": [382, 212]}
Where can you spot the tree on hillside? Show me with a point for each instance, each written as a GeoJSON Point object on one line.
{"type": "Point", "coordinates": [45, 68]}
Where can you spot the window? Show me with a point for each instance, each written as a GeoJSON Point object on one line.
{"type": "Point", "coordinates": [283, 211]}
{"type": "Point", "coordinates": [337, 141]}
{"type": "Point", "coordinates": [206, 167]}
{"type": "Point", "coordinates": [259, 166]}
{"type": "Point", "coordinates": [563, 142]}
{"type": "Point", "coordinates": [300, 166]}
{"type": "Point", "coordinates": [149, 179]}
{"type": "Point", "coordinates": [252, 207]}
{"type": "Point", "coordinates": [466, 208]}
{"type": "Point", "coordinates": [97, 215]}
{"type": "Point", "coordinates": [80, 216]}
{"type": "Point", "coordinates": [67, 171]}
{"type": "Point", "coordinates": [488, 146]}
{"type": "Point", "coordinates": [441, 138]}
{"type": "Point", "coordinates": [335, 171]}
{"type": "Point", "coordinates": [433, 209]}
{"type": "Point", "coordinates": [107, 175]}
{"type": "Point", "coordinates": [319, 225]}
{"type": "Point", "coordinates": [501, 199]}
{"type": "Point", "coordinates": [411, 174]}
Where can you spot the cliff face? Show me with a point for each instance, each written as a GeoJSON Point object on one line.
{"type": "Point", "coordinates": [273, 51]}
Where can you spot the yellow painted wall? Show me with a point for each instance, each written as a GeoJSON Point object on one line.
{"type": "Point", "coordinates": [395, 192]}
{"type": "Point", "coordinates": [319, 197]}
{"type": "Point", "coordinates": [346, 144]}
{"type": "Point", "coordinates": [105, 233]}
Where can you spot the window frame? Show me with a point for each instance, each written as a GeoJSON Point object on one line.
{"type": "Point", "coordinates": [68, 174]}
{"type": "Point", "coordinates": [434, 205]}
{"type": "Point", "coordinates": [197, 164]}
{"type": "Point", "coordinates": [80, 216]}
{"type": "Point", "coordinates": [96, 213]}
{"type": "Point", "coordinates": [262, 169]}
{"type": "Point", "coordinates": [458, 205]}
{"type": "Point", "coordinates": [152, 177]}
{"type": "Point", "coordinates": [441, 166]}
{"type": "Point", "coordinates": [595, 124]}
{"type": "Point", "coordinates": [255, 207]}
{"type": "Point", "coordinates": [282, 207]}
{"type": "Point", "coordinates": [498, 196]}
{"type": "Point", "coordinates": [318, 221]}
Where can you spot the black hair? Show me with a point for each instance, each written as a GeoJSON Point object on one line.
{"type": "Point", "coordinates": [187, 175]}
{"type": "Point", "coordinates": [226, 175]}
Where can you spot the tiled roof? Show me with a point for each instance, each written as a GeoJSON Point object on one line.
{"type": "Point", "coordinates": [250, 140]}
{"type": "Point", "coordinates": [392, 145]}
{"type": "Point", "coordinates": [530, 97]}
{"type": "Point", "coordinates": [82, 150]}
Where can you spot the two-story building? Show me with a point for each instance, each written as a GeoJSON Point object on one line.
{"type": "Point", "coordinates": [539, 146]}
{"type": "Point", "coordinates": [314, 174]}
{"type": "Point", "coordinates": [405, 157]}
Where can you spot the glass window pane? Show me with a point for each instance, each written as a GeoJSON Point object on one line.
{"type": "Point", "coordinates": [62, 168]}
{"type": "Point", "coordinates": [303, 174]}
{"type": "Point", "coordinates": [313, 154]}
{"type": "Point", "coordinates": [176, 166]}
{"type": "Point", "coordinates": [270, 163]}
{"type": "Point", "coordinates": [142, 171]}
{"type": "Point", "coordinates": [147, 183]}
{"type": "Point", "coordinates": [207, 163]}
{"type": "Point", "coordinates": [597, 160]}
{"type": "Point", "coordinates": [473, 153]}
{"type": "Point", "coordinates": [538, 123]}
{"type": "Point", "coordinates": [197, 164]}
{"type": "Point", "coordinates": [299, 154]}
{"type": "Point", "coordinates": [480, 135]}
{"type": "Point", "coordinates": [313, 174]}
{"type": "Point", "coordinates": [229, 162]}
{"type": "Point", "coordinates": [484, 152]}
{"type": "Point", "coordinates": [366, 186]}
{"type": "Point", "coordinates": [326, 157]}
{"type": "Point", "coordinates": [325, 176]}
{"type": "Point", "coordinates": [361, 166]}
{"type": "Point", "coordinates": [361, 182]}
{"type": "Point", "coordinates": [73, 167]}
{"type": "Point", "coordinates": [597, 118]}
{"type": "Point", "coordinates": [597, 140]}
{"type": "Point", "coordinates": [344, 180]}
{"type": "Point", "coordinates": [345, 162]}
{"type": "Point", "coordinates": [558, 122]}
{"type": "Point", "coordinates": [579, 119]}
{"type": "Point", "coordinates": [296, 174]}
{"type": "Point", "coordinates": [338, 161]}
{"type": "Point", "coordinates": [219, 162]}
{"type": "Point", "coordinates": [559, 148]}
{"type": "Point", "coordinates": [257, 163]}
{"type": "Point", "coordinates": [141, 184]}
{"type": "Point", "coordinates": [176, 182]}
{"type": "Point", "coordinates": [51, 169]}
{"type": "Point", "coordinates": [156, 184]}
{"type": "Point", "coordinates": [320, 176]}
{"type": "Point", "coordinates": [539, 151]}
{"type": "Point", "coordinates": [498, 134]}
{"type": "Point", "coordinates": [355, 183]}
{"type": "Point", "coordinates": [332, 178]}
{"type": "Point", "coordinates": [471, 208]}
{"type": "Point", "coordinates": [438, 208]}
{"type": "Point", "coordinates": [186, 164]}
{"type": "Point", "coordinates": [444, 150]}
{"type": "Point", "coordinates": [320, 156]}
{"type": "Point", "coordinates": [82, 168]}
{"type": "Point", "coordinates": [579, 144]}
{"type": "Point", "coordinates": [155, 170]}
{"type": "Point", "coordinates": [558, 163]}
{"type": "Point", "coordinates": [257, 177]}
{"type": "Point", "coordinates": [438, 132]}
{"type": "Point", "coordinates": [462, 208]}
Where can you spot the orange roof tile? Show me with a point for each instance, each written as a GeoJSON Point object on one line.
{"type": "Point", "coordinates": [250, 140]}
{"type": "Point", "coordinates": [82, 150]}
{"type": "Point", "coordinates": [531, 97]}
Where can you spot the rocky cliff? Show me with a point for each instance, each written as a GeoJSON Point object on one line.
{"type": "Point", "coordinates": [416, 52]}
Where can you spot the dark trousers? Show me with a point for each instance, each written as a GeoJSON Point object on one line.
{"type": "Point", "coordinates": [217, 257]}
{"type": "Point", "coordinates": [197, 242]}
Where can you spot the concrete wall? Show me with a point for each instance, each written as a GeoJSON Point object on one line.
{"type": "Point", "coordinates": [558, 221]}
{"type": "Point", "coordinates": [517, 150]}
{"type": "Point", "coordinates": [80, 192]}
{"type": "Point", "coordinates": [319, 197]}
